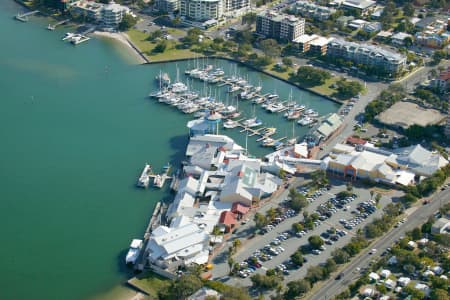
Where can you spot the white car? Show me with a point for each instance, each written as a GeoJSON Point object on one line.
{"type": "Point", "coordinates": [373, 251]}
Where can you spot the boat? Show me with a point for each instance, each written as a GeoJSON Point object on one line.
{"type": "Point", "coordinates": [267, 142]}
{"type": "Point", "coordinates": [293, 114]}
{"type": "Point", "coordinates": [133, 252]}
{"type": "Point", "coordinates": [278, 145]}
{"type": "Point", "coordinates": [234, 115]}
{"type": "Point", "coordinates": [275, 107]}
{"type": "Point", "coordinates": [269, 131]}
{"type": "Point", "coordinates": [144, 178]}
{"type": "Point", "coordinates": [163, 79]}
{"type": "Point", "coordinates": [157, 181]}
{"type": "Point", "coordinates": [258, 100]}
{"type": "Point", "coordinates": [312, 113]}
{"type": "Point", "coordinates": [68, 36]}
{"type": "Point", "coordinates": [233, 88]}
{"type": "Point", "coordinates": [253, 122]}
{"type": "Point", "coordinates": [306, 120]}
{"type": "Point", "coordinates": [230, 124]}
{"type": "Point", "coordinates": [218, 72]}
{"type": "Point", "coordinates": [178, 87]}
{"type": "Point", "coordinates": [272, 97]}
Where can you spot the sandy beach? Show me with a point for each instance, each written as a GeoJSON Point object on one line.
{"type": "Point", "coordinates": [123, 39]}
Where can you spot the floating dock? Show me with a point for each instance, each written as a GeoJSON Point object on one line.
{"type": "Point", "coordinates": [24, 17]}
{"type": "Point", "coordinates": [160, 179]}
{"type": "Point", "coordinates": [53, 27]}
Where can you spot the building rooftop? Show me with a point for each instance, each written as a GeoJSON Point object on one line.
{"type": "Point", "coordinates": [359, 4]}
{"type": "Point", "coordinates": [305, 38]}
{"type": "Point", "coordinates": [373, 50]}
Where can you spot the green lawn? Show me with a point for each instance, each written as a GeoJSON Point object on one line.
{"type": "Point", "coordinates": [150, 283]}
{"type": "Point", "coordinates": [140, 40]}
{"type": "Point", "coordinates": [325, 89]}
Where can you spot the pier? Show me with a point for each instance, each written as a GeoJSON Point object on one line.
{"type": "Point", "coordinates": [160, 179]}
{"type": "Point", "coordinates": [24, 17]}
{"type": "Point", "coordinates": [144, 179]}
{"type": "Point", "coordinates": [53, 27]}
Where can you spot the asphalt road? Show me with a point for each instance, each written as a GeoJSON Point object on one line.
{"type": "Point", "coordinates": [419, 216]}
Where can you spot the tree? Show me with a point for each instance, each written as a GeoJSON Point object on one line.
{"type": "Point", "coordinates": [160, 47]}
{"type": "Point", "coordinates": [270, 47]}
{"type": "Point", "coordinates": [408, 9]}
{"type": "Point", "coordinates": [298, 202]}
{"type": "Point", "coordinates": [408, 41]}
{"type": "Point", "coordinates": [183, 287]}
{"type": "Point", "coordinates": [265, 282]}
{"type": "Point", "coordinates": [349, 187]}
{"type": "Point", "coordinates": [287, 61]}
{"type": "Point", "coordinates": [315, 241]}
{"type": "Point", "coordinates": [297, 258]}
{"type": "Point", "coordinates": [260, 220]}
{"type": "Point", "coordinates": [416, 234]}
{"type": "Point", "coordinates": [330, 266]}
{"type": "Point", "coordinates": [237, 243]}
{"type": "Point", "coordinates": [416, 294]}
{"type": "Point", "coordinates": [127, 22]}
{"type": "Point", "coordinates": [371, 194]}
{"type": "Point", "coordinates": [439, 294]}
{"type": "Point", "coordinates": [230, 262]}
{"type": "Point", "coordinates": [314, 274]}
{"type": "Point", "coordinates": [311, 76]}
{"type": "Point", "coordinates": [378, 198]}
{"type": "Point", "coordinates": [297, 288]}
{"type": "Point", "coordinates": [340, 256]}
{"type": "Point", "coordinates": [297, 227]}
{"type": "Point", "coordinates": [348, 89]}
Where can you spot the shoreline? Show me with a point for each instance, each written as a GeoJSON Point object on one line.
{"type": "Point", "coordinates": [122, 39]}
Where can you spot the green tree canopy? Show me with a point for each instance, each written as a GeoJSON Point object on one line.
{"type": "Point", "coordinates": [127, 22]}
{"type": "Point", "coordinates": [315, 241]}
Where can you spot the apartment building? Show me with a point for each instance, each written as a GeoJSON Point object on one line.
{"type": "Point", "coordinates": [279, 26]}
{"type": "Point", "coordinates": [368, 55]}
{"type": "Point", "coordinates": [112, 14]}
{"type": "Point", "coordinates": [234, 8]}
{"type": "Point", "coordinates": [168, 6]}
{"type": "Point", "coordinates": [311, 10]}
{"type": "Point", "coordinates": [201, 10]}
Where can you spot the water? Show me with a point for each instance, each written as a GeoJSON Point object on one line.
{"type": "Point", "coordinates": [76, 128]}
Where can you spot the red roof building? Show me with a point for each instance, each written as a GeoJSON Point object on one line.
{"type": "Point", "coordinates": [240, 209]}
{"type": "Point", "coordinates": [355, 141]}
{"type": "Point", "coordinates": [227, 219]}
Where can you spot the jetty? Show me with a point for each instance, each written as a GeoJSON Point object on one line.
{"type": "Point", "coordinates": [53, 27]}
{"type": "Point", "coordinates": [24, 17]}
{"type": "Point", "coordinates": [160, 179]}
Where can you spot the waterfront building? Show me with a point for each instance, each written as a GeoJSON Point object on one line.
{"type": "Point", "coordinates": [279, 26]}
{"type": "Point", "coordinates": [203, 126]}
{"type": "Point", "coordinates": [329, 126]}
{"type": "Point", "coordinates": [368, 55]}
{"type": "Point", "coordinates": [168, 6]}
{"type": "Point", "coordinates": [235, 8]}
{"type": "Point", "coordinates": [303, 42]}
{"type": "Point", "coordinates": [201, 10]}
{"type": "Point", "coordinates": [91, 10]}
{"type": "Point", "coordinates": [397, 167]}
{"type": "Point", "coordinates": [311, 10]}
{"type": "Point", "coordinates": [319, 46]}
{"type": "Point", "coordinates": [363, 7]}
{"type": "Point", "coordinates": [112, 14]}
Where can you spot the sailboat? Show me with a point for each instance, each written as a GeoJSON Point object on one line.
{"type": "Point", "coordinates": [293, 140]}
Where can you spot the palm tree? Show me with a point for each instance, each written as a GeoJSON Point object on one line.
{"type": "Point", "coordinates": [237, 243]}
{"type": "Point", "coordinates": [230, 262]}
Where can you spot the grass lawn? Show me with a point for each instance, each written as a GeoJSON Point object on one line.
{"type": "Point", "coordinates": [140, 40]}
{"type": "Point", "coordinates": [150, 283]}
{"type": "Point", "coordinates": [325, 88]}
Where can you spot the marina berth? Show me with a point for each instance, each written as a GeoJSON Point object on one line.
{"type": "Point", "coordinates": [144, 179]}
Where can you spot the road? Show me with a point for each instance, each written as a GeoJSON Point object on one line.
{"type": "Point", "coordinates": [419, 216]}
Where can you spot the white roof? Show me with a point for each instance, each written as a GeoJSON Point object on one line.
{"type": "Point", "coordinates": [385, 273]}
{"type": "Point", "coordinates": [361, 4]}
{"type": "Point", "coordinates": [136, 243]}
{"type": "Point", "coordinates": [374, 276]}
{"type": "Point", "coordinates": [321, 41]}
{"type": "Point", "coordinates": [301, 149]}
{"type": "Point", "coordinates": [305, 38]}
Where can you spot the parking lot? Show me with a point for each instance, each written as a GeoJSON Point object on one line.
{"type": "Point", "coordinates": [273, 249]}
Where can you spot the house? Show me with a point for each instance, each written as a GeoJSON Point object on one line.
{"type": "Point", "coordinates": [403, 281]}
{"type": "Point", "coordinates": [441, 225]}
{"type": "Point", "coordinates": [342, 21]}
{"type": "Point", "coordinates": [385, 273]}
{"type": "Point", "coordinates": [412, 245]}
{"type": "Point", "coordinates": [368, 292]}
{"type": "Point", "coordinates": [311, 10]}
{"type": "Point", "coordinates": [227, 221]}
{"type": "Point", "coordinates": [374, 276]}
{"type": "Point", "coordinates": [423, 287]}
{"type": "Point", "coordinates": [442, 83]}
{"type": "Point", "coordinates": [112, 14]}
{"type": "Point", "coordinates": [390, 284]}
{"type": "Point", "coordinates": [399, 38]}
{"type": "Point", "coordinates": [352, 140]}
{"type": "Point", "coordinates": [392, 260]}
{"type": "Point", "coordinates": [371, 27]}
{"type": "Point", "coordinates": [422, 242]}
{"type": "Point", "coordinates": [438, 270]}
{"type": "Point", "coordinates": [357, 24]}
{"type": "Point", "coordinates": [363, 7]}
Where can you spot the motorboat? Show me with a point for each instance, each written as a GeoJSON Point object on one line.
{"type": "Point", "coordinates": [230, 124]}
{"type": "Point", "coordinates": [68, 36]}
{"type": "Point", "coordinates": [269, 131]}
{"type": "Point", "coordinates": [133, 252]}
{"type": "Point", "coordinates": [275, 107]}
{"type": "Point", "coordinates": [233, 88]}
{"type": "Point", "coordinates": [253, 122]}
{"type": "Point", "coordinates": [293, 114]}
{"type": "Point", "coordinates": [306, 120]}
{"type": "Point", "coordinates": [267, 142]}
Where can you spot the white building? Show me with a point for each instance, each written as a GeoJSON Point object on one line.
{"type": "Point", "coordinates": [235, 8]}
{"type": "Point", "coordinates": [188, 243]}
{"type": "Point", "coordinates": [112, 14]}
{"type": "Point", "coordinates": [201, 10]}
{"type": "Point", "coordinates": [312, 10]}
{"type": "Point", "coordinates": [169, 6]}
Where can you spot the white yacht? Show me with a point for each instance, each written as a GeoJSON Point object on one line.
{"type": "Point", "coordinates": [230, 124]}
{"type": "Point", "coordinates": [133, 252]}
{"type": "Point", "coordinates": [306, 120]}
{"type": "Point", "coordinates": [275, 107]}
{"type": "Point", "coordinates": [178, 87]}
{"type": "Point", "coordinates": [253, 122]}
